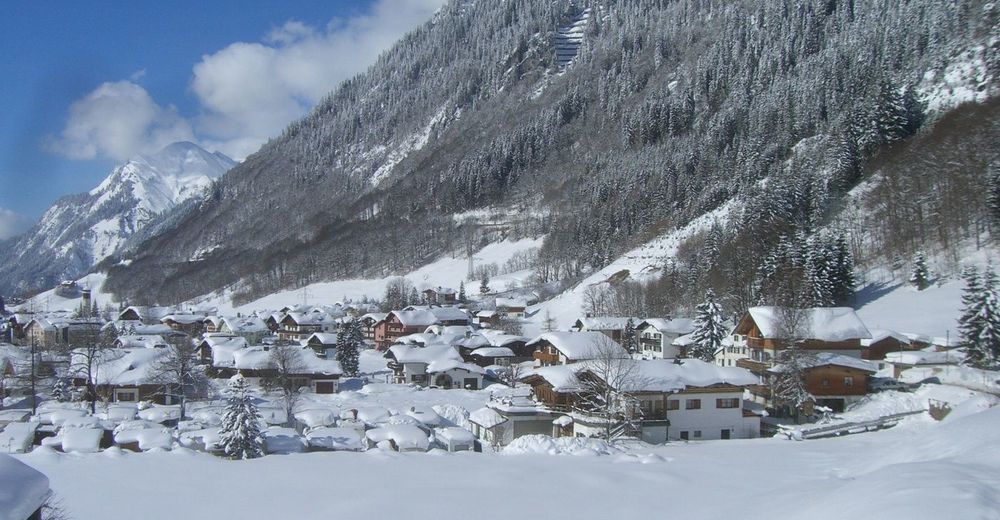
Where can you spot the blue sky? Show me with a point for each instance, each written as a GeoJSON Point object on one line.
{"type": "Point", "coordinates": [88, 84]}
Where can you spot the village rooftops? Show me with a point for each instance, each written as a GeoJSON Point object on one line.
{"type": "Point", "coordinates": [823, 359]}
{"type": "Point", "coordinates": [657, 375]}
{"type": "Point", "coordinates": [881, 335]}
{"type": "Point", "coordinates": [830, 324]}
{"type": "Point", "coordinates": [260, 358]}
{"type": "Point", "coordinates": [604, 322]}
{"type": "Point", "coordinates": [578, 345]}
{"type": "Point", "coordinates": [429, 354]}
{"type": "Point", "coordinates": [924, 357]}
{"type": "Point", "coordinates": [119, 366]}
{"type": "Point", "coordinates": [415, 318]}
{"type": "Point", "coordinates": [674, 326]}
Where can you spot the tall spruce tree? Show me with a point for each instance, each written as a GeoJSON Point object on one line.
{"type": "Point", "coordinates": [709, 330]}
{"type": "Point", "coordinates": [919, 275]}
{"type": "Point", "coordinates": [629, 339]}
{"type": "Point", "coordinates": [484, 285]}
{"type": "Point", "coordinates": [969, 324]}
{"type": "Point", "coordinates": [349, 343]}
{"type": "Point", "coordinates": [989, 337]}
{"type": "Point", "coordinates": [461, 291]}
{"type": "Point", "coordinates": [239, 434]}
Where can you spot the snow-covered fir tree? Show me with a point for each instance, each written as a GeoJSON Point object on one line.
{"type": "Point", "coordinates": [989, 337]}
{"type": "Point", "coordinates": [969, 326]}
{"type": "Point", "coordinates": [788, 384]}
{"type": "Point", "coordinates": [709, 330]}
{"type": "Point", "coordinates": [919, 275]}
{"type": "Point", "coordinates": [61, 391]}
{"type": "Point", "coordinates": [629, 338]}
{"type": "Point", "coordinates": [349, 343]}
{"type": "Point", "coordinates": [484, 284]}
{"type": "Point", "coordinates": [461, 291]}
{"type": "Point", "coordinates": [239, 434]}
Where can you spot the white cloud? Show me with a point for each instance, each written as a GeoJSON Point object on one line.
{"type": "Point", "coordinates": [247, 92]}
{"type": "Point", "coordinates": [118, 120]}
{"type": "Point", "coordinates": [12, 224]}
{"type": "Point", "coordinates": [251, 91]}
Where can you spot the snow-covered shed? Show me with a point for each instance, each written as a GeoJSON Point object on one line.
{"type": "Point", "coordinates": [561, 347]}
{"type": "Point", "coordinates": [23, 490]}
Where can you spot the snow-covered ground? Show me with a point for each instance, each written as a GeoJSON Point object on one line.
{"type": "Point", "coordinates": [894, 305]}
{"type": "Point", "coordinates": [919, 469]}
{"type": "Point", "coordinates": [445, 272]}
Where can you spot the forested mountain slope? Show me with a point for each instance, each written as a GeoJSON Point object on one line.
{"type": "Point", "coordinates": [669, 109]}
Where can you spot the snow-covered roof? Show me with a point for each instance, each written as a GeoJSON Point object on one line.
{"type": "Point", "coordinates": [335, 438]}
{"type": "Point", "coordinates": [415, 318]}
{"type": "Point", "coordinates": [453, 330]}
{"type": "Point", "coordinates": [604, 322]}
{"type": "Point", "coordinates": [375, 316]}
{"type": "Point", "coordinates": [578, 345]}
{"type": "Point", "coordinates": [882, 334]}
{"type": "Point", "coordinates": [427, 355]}
{"type": "Point", "coordinates": [924, 357]}
{"type": "Point", "coordinates": [449, 314]}
{"type": "Point", "coordinates": [499, 338]}
{"type": "Point", "coordinates": [487, 417]}
{"type": "Point", "coordinates": [159, 329]}
{"type": "Point", "coordinates": [455, 435]}
{"type": "Point", "coordinates": [324, 338]}
{"type": "Point", "coordinates": [674, 326]}
{"type": "Point", "coordinates": [23, 489]}
{"type": "Point", "coordinates": [444, 365]}
{"type": "Point", "coordinates": [561, 377]}
{"type": "Point", "coordinates": [494, 352]}
{"type": "Point", "coordinates": [406, 436]}
{"type": "Point", "coordinates": [259, 357]}
{"type": "Point", "coordinates": [509, 303]}
{"type": "Point", "coordinates": [183, 319]}
{"type": "Point", "coordinates": [819, 323]}
{"type": "Point", "coordinates": [661, 375]}
{"type": "Point", "coordinates": [140, 341]}
{"type": "Point", "coordinates": [683, 341]}
{"type": "Point", "coordinates": [119, 366]}
{"type": "Point", "coordinates": [223, 348]}
{"type": "Point", "coordinates": [822, 359]}
{"type": "Point", "coordinates": [244, 325]}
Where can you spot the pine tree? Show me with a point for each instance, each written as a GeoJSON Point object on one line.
{"type": "Point", "coordinates": [709, 330]}
{"type": "Point", "coordinates": [989, 337]}
{"type": "Point", "coordinates": [969, 325]}
{"type": "Point", "coordinates": [414, 298]}
{"type": "Point", "coordinates": [992, 201]}
{"type": "Point", "coordinates": [629, 339]}
{"type": "Point", "coordinates": [919, 275]}
{"type": "Point", "coordinates": [349, 342]}
{"type": "Point", "coordinates": [461, 291]}
{"type": "Point", "coordinates": [484, 285]}
{"type": "Point", "coordinates": [239, 434]}
{"type": "Point", "coordinates": [843, 272]}
{"type": "Point", "coordinates": [60, 391]}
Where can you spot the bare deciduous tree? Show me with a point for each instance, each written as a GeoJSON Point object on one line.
{"type": "Point", "coordinates": [179, 373]}
{"type": "Point", "coordinates": [609, 379]}
{"type": "Point", "coordinates": [286, 363]}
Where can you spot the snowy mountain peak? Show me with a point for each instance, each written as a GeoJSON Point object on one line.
{"type": "Point", "coordinates": [79, 231]}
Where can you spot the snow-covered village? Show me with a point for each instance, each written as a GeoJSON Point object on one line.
{"type": "Point", "coordinates": [549, 258]}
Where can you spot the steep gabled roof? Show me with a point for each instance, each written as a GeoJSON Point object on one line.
{"type": "Point", "coordinates": [578, 345]}
{"type": "Point", "coordinates": [818, 323]}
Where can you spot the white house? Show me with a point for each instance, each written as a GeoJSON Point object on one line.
{"type": "Point", "coordinates": [656, 337]}
{"type": "Point", "coordinates": [437, 364]}
{"type": "Point", "coordinates": [685, 400]}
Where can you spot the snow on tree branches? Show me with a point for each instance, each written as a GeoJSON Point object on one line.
{"type": "Point", "coordinates": [709, 330]}
{"type": "Point", "coordinates": [919, 275]}
{"type": "Point", "coordinates": [979, 324]}
{"type": "Point", "coordinates": [349, 343]}
{"type": "Point", "coordinates": [239, 435]}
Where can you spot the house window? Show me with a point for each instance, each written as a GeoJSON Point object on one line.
{"type": "Point", "coordinates": [126, 396]}
{"type": "Point", "coordinates": [726, 434]}
{"type": "Point", "coordinates": [727, 403]}
{"type": "Point", "coordinates": [684, 436]}
{"type": "Point", "coordinates": [825, 383]}
{"type": "Point", "coordinates": [673, 404]}
{"type": "Point", "coordinates": [697, 434]}
{"type": "Point", "coordinates": [849, 381]}
{"type": "Point", "coordinates": [692, 404]}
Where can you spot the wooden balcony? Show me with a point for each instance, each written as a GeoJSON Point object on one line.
{"type": "Point", "coordinates": [756, 367]}
{"type": "Point", "coordinates": [546, 358]}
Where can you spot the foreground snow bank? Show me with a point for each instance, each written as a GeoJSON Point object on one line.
{"type": "Point", "coordinates": [543, 444]}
